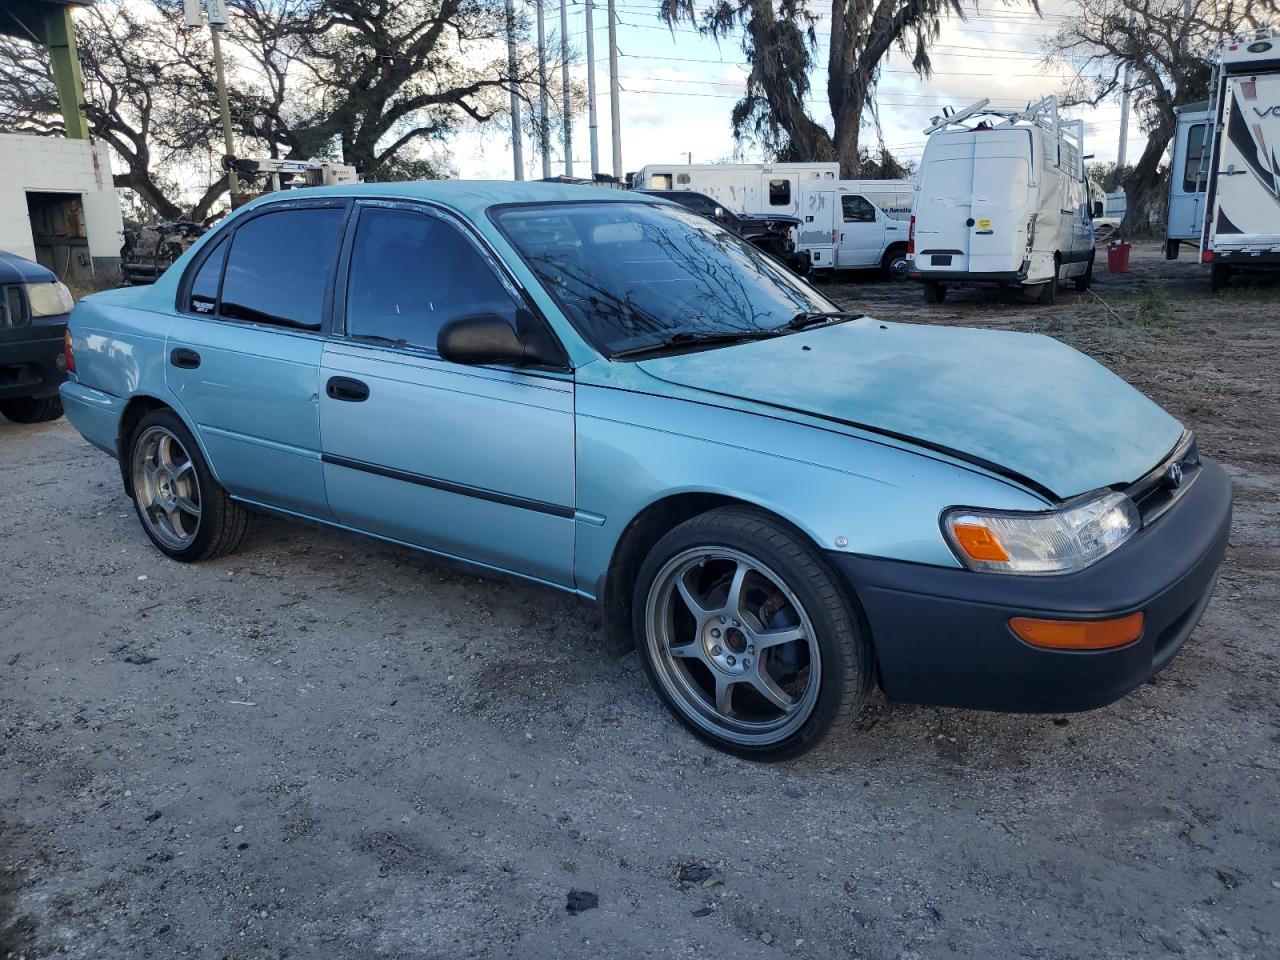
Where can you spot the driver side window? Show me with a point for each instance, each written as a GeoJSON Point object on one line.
{"type": "Point", "coordinates": [857, 209]}
{"type": "Point", "coordinates": [411, 273]}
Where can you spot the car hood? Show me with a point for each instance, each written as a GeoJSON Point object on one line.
{"type": "Point", "coordinates": [16, 269]}
{"type": "Point", "coordinates": [1025, 404]}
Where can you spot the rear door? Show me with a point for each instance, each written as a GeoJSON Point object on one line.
{"type": "Point", "coordinates": [942, 207]}
{"type": "Point", "coordinates": [1189, 179]}
{"type": "Point", "coordinates": [819, 215]}
{"type": "Point", "coordinates": [472, 462]}
{"type": "Point", "coordinates": [1000, 208]}
{"type": "Point", "coordinates": [243, 353]}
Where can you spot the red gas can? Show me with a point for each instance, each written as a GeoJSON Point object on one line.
{"type": "Point", "coordinates": [1118, 257]}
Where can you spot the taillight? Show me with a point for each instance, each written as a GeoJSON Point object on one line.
{"type": "Point", "coordinates": [68, 351]}
{"type": "Point", "coordinates": [1206, 256]}
{"type": "Point", "coordinates": [911, 235]}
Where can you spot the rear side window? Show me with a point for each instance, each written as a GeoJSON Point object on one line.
{"type": "Point", "coordinates": [279, 267]}
{"type": "Point", "coordinates": [204, 288]}
{"type": "Point", "coordinates": [857, 209]}
{"type": "Point", "coordinates": [1193, 179]}
{"type": "Point", "coordinates": [411, 273]}
{"type": "Point", "coordinates": [780, 193]}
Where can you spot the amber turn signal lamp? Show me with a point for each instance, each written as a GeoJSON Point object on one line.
{"type": "Point", "coordinates": [69, 356]}
{"type": "Point", "coordinates": [1078, 634]}
{"type": "Point", "coordinates": [978, 542]}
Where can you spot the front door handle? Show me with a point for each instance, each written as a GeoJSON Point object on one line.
{"type": "Point", "coordinates": [184, 358]}
{"type": "Point", "coordinates": [345, 388]}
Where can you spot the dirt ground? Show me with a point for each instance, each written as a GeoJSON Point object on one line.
{"type": "Point", "coordinates": [326, 747]}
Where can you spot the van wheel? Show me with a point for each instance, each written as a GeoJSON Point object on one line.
{"type": "Point", "coordinates": [747, 636]}
{"type": "Point", "coordinates": [31, 409]}
{"type": "Point", "coordinates": [894, 265]}
{"type": "Point", "coordinates": [1047, 295]}
{"type": "Point", "coordinates": [934, 292]}
{"type": "Point", "coordinates": [1219, 277]}
{"type": "Point", "coordinates": [1085, 280]}
{"type": "Point", "coordinates": [184, 511]}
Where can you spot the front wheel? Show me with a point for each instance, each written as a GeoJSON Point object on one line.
{"type": "Point", "coordinates": [184, 511]}
{"type": "Point", "coordinates": [747, 636]}
{"type": "Point", "coordinates": [32, 409]}
{"type": "Point", "coordinates": [894, 266]}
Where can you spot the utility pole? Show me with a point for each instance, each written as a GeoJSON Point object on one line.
{"type": "Point", "coordinates": [1123, 147]}
{"type": "Point", "coordinates": [565, 109]}
{"type": "Point", "coordinates": [614, 109]}
{"type": "Point", "coordinates": [544, 118]}
{"type": "Point", "coordinates": [517, 145]}
{"type": "Point", "coordinates": [591, 94]}
{"type": "Point", "coordinates": [217, 14]}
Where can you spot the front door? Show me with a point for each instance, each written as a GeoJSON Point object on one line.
{"type": "Point", "coordinates": [243, 353]}
{"type": "Point", "coordinates": [861, 232]}
{"type": "Point", "coordinates": [472, 462]}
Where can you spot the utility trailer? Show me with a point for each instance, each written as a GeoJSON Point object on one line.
{"type": "Point", "coordinates": [1241, 223]}
{"type": "Point", "coordinates": [1001, 198]}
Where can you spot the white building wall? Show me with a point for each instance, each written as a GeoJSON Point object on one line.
{"type": "Point", "coordinates": [63, 166]}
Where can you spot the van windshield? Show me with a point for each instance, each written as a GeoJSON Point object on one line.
{"type": "Point", "coordinates": [630, 275]}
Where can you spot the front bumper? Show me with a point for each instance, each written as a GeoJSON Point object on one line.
{"type": "Point", "coordinates": [30, 363]}
{"type": "Point", "coordinates": [942, 635]}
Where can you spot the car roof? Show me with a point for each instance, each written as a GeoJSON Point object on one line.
{"type": "Point", "coordinates": [468, 197]}
{"type": "Point", "coordinates": [16, 269]}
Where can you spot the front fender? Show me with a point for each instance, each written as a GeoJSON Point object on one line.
{"type": "Point", "coordinates": [847, 493]}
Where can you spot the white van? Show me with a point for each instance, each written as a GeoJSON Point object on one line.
{"type": "Point", "coordinates": [874, 219]}
{"type": "Point", "coordinates": [1003, 201]}
{"type": "Point", "coordinates": [803, 190]}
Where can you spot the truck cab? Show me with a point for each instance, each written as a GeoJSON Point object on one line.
{"type": "Point", "coordinates": [872, 233]}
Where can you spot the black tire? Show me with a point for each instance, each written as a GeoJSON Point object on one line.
{"type": "Point", "coordinates": [845, 665]}
{"type": "Point", "coordinates": [32, 409]}
{"type": "Point", "coordinates": [934, 292]}
{"type": "Point", "coordinates": [222, 523]}
{"type": "Point", "coordinates": [1219, 277]}
{"type": "Point", "coordinates": [894, 265]}
{"type": "Point", "coordinates": [1085, 280]}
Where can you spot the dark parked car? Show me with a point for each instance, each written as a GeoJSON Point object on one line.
{"type": "Point", "coordinates": [771, 234]}
{"type": "Point", "coordinates": [33, 322]}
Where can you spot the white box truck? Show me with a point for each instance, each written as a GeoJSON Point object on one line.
{"type": "Point", "coordinates": [803, 190]}
{"type": "Point", "coordinates": [1001, 198]}
{"type": "Point", "coordinates": [1241, 228]}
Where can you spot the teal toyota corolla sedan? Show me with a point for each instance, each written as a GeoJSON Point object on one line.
{"type": "Point", "coordinates": [776, 503]}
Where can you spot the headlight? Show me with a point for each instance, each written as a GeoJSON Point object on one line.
{"type": "Point", "coordinates": [48, 299]}
{"type": "Point", "coordinates": [1059, 541]}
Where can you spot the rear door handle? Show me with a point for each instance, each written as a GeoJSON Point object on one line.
{"type": "Point", "coordinates": [345, 388]}
{"type": "Point", "coordinates": [184, 358]}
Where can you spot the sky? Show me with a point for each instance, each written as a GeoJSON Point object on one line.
{"type": "Point", "coordinates": [678, 89]}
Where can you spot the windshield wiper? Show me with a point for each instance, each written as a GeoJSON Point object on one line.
{"type": "Point", "coordinates": [803, 321]}
{"type": "Point", "coordinates": [687, 338]}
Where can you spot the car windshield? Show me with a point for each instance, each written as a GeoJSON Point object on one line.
{"type": "Point", "coordinates": [632, 275]}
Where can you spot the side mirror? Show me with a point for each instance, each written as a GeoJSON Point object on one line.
{"type": "Point", "coordinates": [486, 338]}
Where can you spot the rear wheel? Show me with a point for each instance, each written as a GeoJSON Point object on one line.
{"type": "Point", "coordinates": [894, 264]}
{"type": "Point", "coordinates": [32, 409]}
{"type": "Point", "coordinates": [747, 636]}
{"type": "Point", "coordinates": [934, 292]}
{"type": "Point", "coordinates": [184, 511]}
{"type": "Point", "coordinates": [1219, 277]}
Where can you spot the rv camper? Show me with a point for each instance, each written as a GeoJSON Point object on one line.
{"type": "Point", "coordinates": [803, 190]}
{"type": "Point", "coordinates": [1238, 176]}
{"type": "Point", "coordinates": [1001, 198]}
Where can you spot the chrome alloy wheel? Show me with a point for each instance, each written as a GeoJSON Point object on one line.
{"type": "Point", "coordinates": [166, 488]}
{"type": "Point", "coordinates": [732, 646]}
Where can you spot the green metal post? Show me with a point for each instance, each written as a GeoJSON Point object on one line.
{"type": "Point", "coordinates": [60, 37]}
